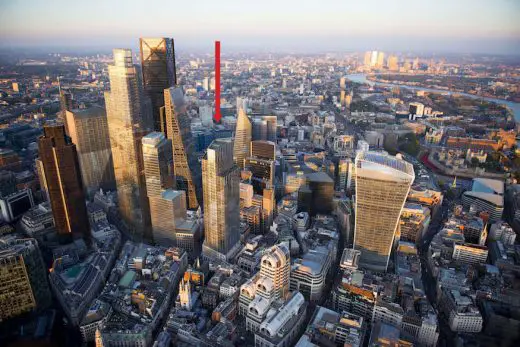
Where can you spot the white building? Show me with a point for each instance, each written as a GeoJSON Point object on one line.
{"type": "Point", "coordinates": [282, 326]}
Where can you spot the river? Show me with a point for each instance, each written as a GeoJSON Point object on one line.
{"type": "Point", "coordinates": [514, 106]}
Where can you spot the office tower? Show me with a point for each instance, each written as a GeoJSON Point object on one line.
{"type": "Point", "coordinates": [373, 59]}
{"type": "Point", "coordinates": [263, 150]}
{"type": "Point", "coordinates": [264, 128]}
{"type": "Point", "coordinates": [158, 161]}
{"type": "Point", "coordinates": [63, 179]}
{"type": "Point", "coordinates": [221, 200]}
{"type": "Point", "coordinates": [276, 266]}
{"type": "Point", "coordinates": [242, 143]}
{"type": "Point", "coordinates": [262, 173]}
{"type": "Point", "coordinates": [392, 63]}
{"type": "Point", "coordinates": [23, 278]}
{"type": "Point", "coordinates": [382, 185]}
{"type": "Point", "coordinates": [126, 127]}
{"type": "Point", "coordinates": [185, 163]}
{"type": "Point", "coordinates": [315, 197]}
{"type": "Point", "coordinates": [159, 73]}
{"type": "Point", "coordinates": [88, 130]}
{"type": "Point", "coordinates": [65, 105]}
{"type": "Point", "coordinates": [167, 206]}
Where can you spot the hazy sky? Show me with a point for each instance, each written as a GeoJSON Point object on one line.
{"type": "Point", "coordinates": [487, 26]}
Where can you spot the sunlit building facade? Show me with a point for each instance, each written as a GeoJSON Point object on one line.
{"type": "Point", "coordinates": [63, 181]}
{"type": "Point", "coordinates": [382, 185]}
{"type": "Point", "coordinates": [243, 135]}
{"type": "Point", "coordinates": [221, 190]}
{"type": "Point", "coordinates": [127, 126]}
{"type": "Point", "coordinates": [88, 130]}
{"type": "Point", "coordinates": [185, 162]}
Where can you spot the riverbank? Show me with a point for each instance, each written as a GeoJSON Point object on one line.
{"type": "Point", "coordinates": [513, 106]}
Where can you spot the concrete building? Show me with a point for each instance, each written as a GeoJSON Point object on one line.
{"type": "Point", "coordinates": [282, 327]}
{"type": "Point", "coordinates": [487, 195]}
{"type": "Point", "coordinates": [463, 315]}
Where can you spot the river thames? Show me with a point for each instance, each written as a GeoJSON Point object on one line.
{"type": "Point", "coordinates": [514, 106]}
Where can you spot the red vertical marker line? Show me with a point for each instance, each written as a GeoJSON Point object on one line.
{"type": "Point", "coordinates": [218, 116]}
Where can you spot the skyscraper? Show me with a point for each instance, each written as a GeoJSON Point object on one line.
{"type": "Point", "coordinates": [23, 278]}
{"type": "Point", "coordinates": [66, 104]}
{"type": "Point", "coordinates": [243, 135]}
{"type": "Point", "coordinates": [158, 161]}
{"type": "Point", "coordinates": [88, 130]}
{"type": "Point", "coordinates": [167, 206]}
{"type": "Point", "coordinates": [63, 180]}
{"type": "Point", "coordinates": [382, 185]}
{"type": "Point", "coordinates": [186, 164]}
{"type": "Point", "coordinates": [221, 200]}
{"type": "Point", "coordinates": [159, 73]}
{"type": "Point", "coordinates": [126, 127]}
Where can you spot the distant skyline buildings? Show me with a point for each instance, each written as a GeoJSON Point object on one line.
{"type": "Point", "coordinates": [371, 24]}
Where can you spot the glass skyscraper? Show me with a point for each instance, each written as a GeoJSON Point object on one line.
{"type": "Point", "coordinates": [243, 135]}
{"type": "Point", "coordinates": [221, 190]}
{"type": "Point", "coordinates": [382, 185]}
{"type": "Point", "coordinates": [126, 127]}
{"type": "Point", "coordinates": [159, 73]}
{"type": "Point", "coordinates": [185, 162]}
{"type": "Point", "coordinates": [62, 174]}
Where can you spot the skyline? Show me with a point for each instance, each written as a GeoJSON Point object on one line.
{"type": "Point", "coordinates": [466, 26]}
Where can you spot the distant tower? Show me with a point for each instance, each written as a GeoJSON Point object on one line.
{"type": "Point", "coordinates": [63, 181]}
{"type": "Point", "coordinates": [382, 186]}
{"type": "Point", "coordinates": [185, 162]}
{"type": "Point", "coordinates": [185, 295]}
{"type": "Point", "coordinates": [218, 115]}
{"type": "Point", "coordinates": [243, 135]}
{"type": "Point", "coordinates": [221, 200]}
{"type": "Point", "coordinates": [126, 128]}
{"type": "Point", "coordinates": [159, 73]}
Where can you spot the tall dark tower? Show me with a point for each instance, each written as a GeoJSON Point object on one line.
{"type": "Point", "coordinates": [159, 73]}
{"type": "Point", "coordinates": [63, 177]}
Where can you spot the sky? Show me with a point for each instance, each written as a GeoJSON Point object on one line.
{"type": "Point", "coordinates": [455, 26]}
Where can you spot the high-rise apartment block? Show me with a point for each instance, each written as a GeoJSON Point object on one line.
{"type": "Point", "coordinates": [159, 73]}
{"type": "Point", "coordinates": [88, 130]}
{"type": "Point", "coordinates": [126, 127]}
{"type": "Point", "coordinates": [63, 180]}
{"type": "Point", "coordinates": [221, 200]}
{"type": "Point", "coordinates": [186, 164]}
{"type": "Point", "coordinates": [382, 185]}
{"type": "Point", "coordinates": [23, 278]}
